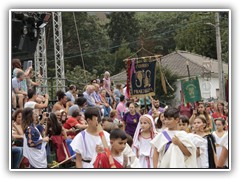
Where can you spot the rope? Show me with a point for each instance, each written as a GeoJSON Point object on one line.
{"type": "Point", "coordinates": [79, 44]}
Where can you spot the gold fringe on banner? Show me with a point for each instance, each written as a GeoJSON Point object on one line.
{"type": "Point", "coordinates": [162, 79]}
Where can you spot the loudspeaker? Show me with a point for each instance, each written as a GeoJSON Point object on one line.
{"type": "Point", "coordinates": [24, 42]}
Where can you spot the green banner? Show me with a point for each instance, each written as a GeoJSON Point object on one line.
{"type": "Point", "coordinates": [191, 90]}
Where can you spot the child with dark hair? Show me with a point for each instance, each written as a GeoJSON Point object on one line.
{"type": "Point", "coordinates": [33, 143]}
{"type": "Point", "coordinates": [88, 142]}
{"type": "Point", "coordinates": [118, 141]}
{"type": "Point", "coordinates": [58, 136]}
{"type": "Point", "coordinates": [183, 123]}
{"type": "Point", "coordinates": [160, 123]}
{"type": "Point", "coordinates": [107, 125]}
{"type": "Point", "coordinates": [173, 148]}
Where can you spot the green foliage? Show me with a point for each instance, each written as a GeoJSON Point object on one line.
{"type": "Point", "coordinates": [123, 26]}
{"type": "Point", "coordinates": [106, 43]}
{"type": "Point", "coordinates": [122, 53]}
{"type": "Point", "coordinates": [79, 77]}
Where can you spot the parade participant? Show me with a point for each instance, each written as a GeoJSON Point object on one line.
{"type": "Point", "coordinates": [206, 151]}
{"type": "Point", "coordinates": [144, 133]}
{"type": "Point", "coordinates": [219, 135]}
{"type": "Point", "coordinates": [183, 124]}
{"type": "Point", "coordinates": [223, 159]}
{"type": "Point", "coordinates": [87, 143]}
{"type": "Point", "coordinates": [118, 141]}
{"type": "Point", "coordinates": [160, 123]}
{"type": "Point", "coordinates": [33, 142]}
{"type": "Point", "coordinates": [173, 148]}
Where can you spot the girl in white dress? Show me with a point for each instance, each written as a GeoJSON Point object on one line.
{"type": "Point", "coordinates": [205, 149]}
{"type": "Point", "coordinates": [144, 133]}
{"type": "Point", "coordinates": [219, 135]}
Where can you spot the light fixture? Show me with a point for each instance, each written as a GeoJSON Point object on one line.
{"type": "Point", "coordinates": [25, 31]}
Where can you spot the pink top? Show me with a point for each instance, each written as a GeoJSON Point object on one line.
{"type": "Point", "coordinates": [107, 84]}
{"type": "Point", "coordinates": [121, 110]}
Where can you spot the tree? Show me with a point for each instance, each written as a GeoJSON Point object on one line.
{"type": "Point", "coordinates": [79, 77]}
{"type": "Point", "coordinates": [123, 26]}
{"type": "Point", "coordinates": [122, 53]}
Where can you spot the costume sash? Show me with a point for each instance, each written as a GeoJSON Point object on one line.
{"type": "Point", "coordinates": [169, 140]}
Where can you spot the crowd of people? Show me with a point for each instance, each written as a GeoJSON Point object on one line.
{"type": "Point", "coordinates": [137, 135]}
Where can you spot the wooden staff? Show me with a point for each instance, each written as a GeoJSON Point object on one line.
{"type": "Point", "coordinates": [63, 161]}
{"type": "Point", "coordinates": [105, 145]}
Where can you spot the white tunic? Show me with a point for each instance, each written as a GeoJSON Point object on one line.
{"type": "Point", "coordinates": [174, 158]}
{"type": "Point", "coordinates": [36, 157]}
{"type": "Point", "coordinates": [145, 152]}
{"type": "Point", "coordinates": [133, 161]}
{"type": "Point", "coordinates": [87, 147]}
{"type": "Point", "coordinates": [198, 141]}
{"type": "Point", "coordinates": [220, 143]}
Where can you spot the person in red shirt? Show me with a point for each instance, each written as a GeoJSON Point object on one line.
{"type": "Point", "coordinates": [219, 113]}
{"type": "Point", "coordinates": [74, 124]}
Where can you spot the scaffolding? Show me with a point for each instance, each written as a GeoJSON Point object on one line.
{"type": "Point", "coordinates": [58, 51]}
{"type": "Point", "coordinates": [40, 59]}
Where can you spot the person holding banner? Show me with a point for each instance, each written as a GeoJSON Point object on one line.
{"type": "Point", "coordinates": [88, 143]}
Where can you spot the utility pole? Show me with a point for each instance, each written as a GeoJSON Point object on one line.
{"type": "Point", "coordinates": [219, 58]}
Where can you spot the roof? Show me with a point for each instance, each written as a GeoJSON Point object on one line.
{"type": "Point", "coordinates": [120, 77]}
{"type": "Point", "coordinates": [177, 61]}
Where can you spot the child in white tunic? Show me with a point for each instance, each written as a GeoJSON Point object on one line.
{"type": "Point", "coordinates": [173, 148]}
{"type": "Point", "coordinates": [88, 142]}
{"type": "Point", "coordinates": [205, 153]}
{"type": "Point", "coordinates": [144, 133]}
{"type": "Point", "coordinates": [33, 143]}
{"type": "Point", "coordinates": [219, 135]}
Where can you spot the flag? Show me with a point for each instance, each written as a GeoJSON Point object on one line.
{"type": "Point", "coordinates": [143, 79]}
{"type": "Point", "coordinates": [191, 90]}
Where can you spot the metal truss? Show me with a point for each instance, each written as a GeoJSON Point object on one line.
{"type": "Point", "coordinates": [40, 57]}
{"type": "Point", "coordinates": [58, 50]}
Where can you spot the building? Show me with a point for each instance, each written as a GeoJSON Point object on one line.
{"type": "Point", "coordinates": [206, 69]}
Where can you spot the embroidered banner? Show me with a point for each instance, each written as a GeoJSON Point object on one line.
{"type": "Point", "coordinates": [143, 78]}
{"type": "Point", "coordinates": [191, 90]}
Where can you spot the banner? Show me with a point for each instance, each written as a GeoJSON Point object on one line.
{"type": "Point", "coordinates": [143, 78]}
{"type": "Point", "coordinates": [191, 90]}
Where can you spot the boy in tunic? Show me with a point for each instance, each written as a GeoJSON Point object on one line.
{"type": "Point", "coordinates": [118, 141]}
{"type": "Point", "coordinates": [173, 148]}
{"type": "Point", "coordinates": [88, 143]}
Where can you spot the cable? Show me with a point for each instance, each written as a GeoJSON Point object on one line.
{"type": "Point", "coordinates": [79, 44]}
{"type": "Point", "coordinates": [181, 26]}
